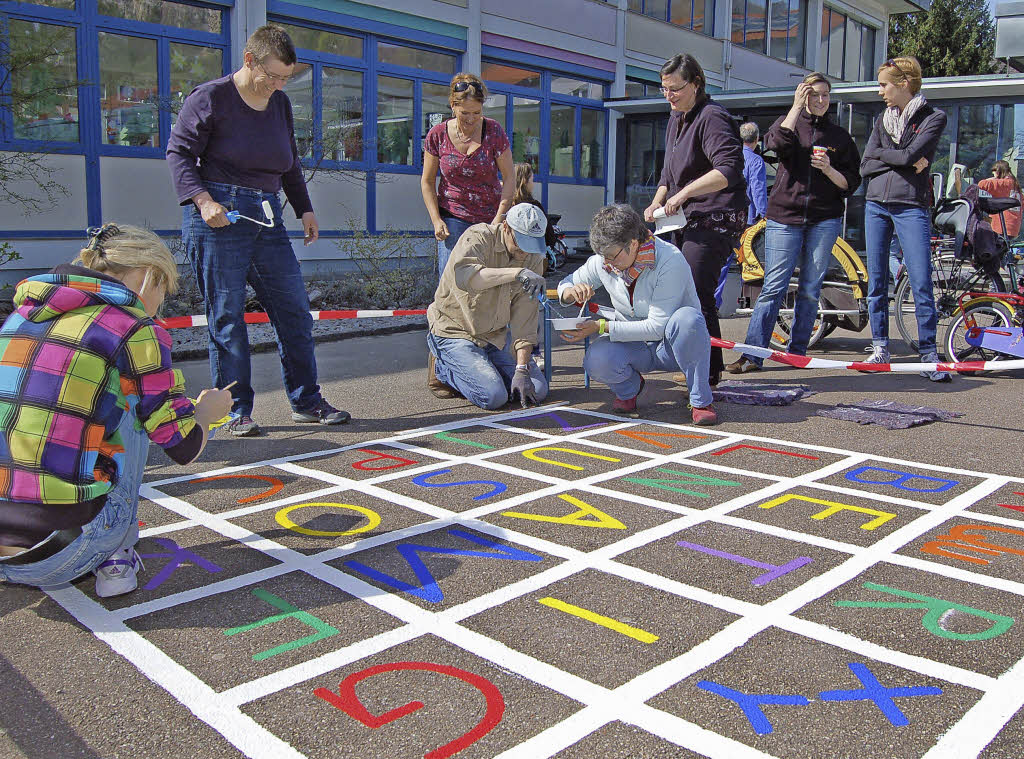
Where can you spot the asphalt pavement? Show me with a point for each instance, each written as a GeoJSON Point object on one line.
{"type": "Point", "coordinates": [518, 600]}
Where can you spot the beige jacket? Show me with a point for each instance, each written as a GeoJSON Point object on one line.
{"type": "Point", "coordinates": [483, 315]}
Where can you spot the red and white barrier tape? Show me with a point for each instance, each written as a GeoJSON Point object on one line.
{"type": "Point", "coordinates": [801, 362]}
{"type": "Point", "coordinates": [178, 322]}
{"type": "Point", "coordinates": [806, 362]}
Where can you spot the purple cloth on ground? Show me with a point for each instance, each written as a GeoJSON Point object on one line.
{"type": "Point", "coordinates": [888, 414]}
{"type": "Point", "coordinates": [754, 394]}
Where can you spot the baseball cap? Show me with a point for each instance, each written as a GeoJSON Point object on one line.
{"type": "Point", "coordinates": [528, 224]}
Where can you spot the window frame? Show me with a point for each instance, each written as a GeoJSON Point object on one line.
{"type": "Point", "coordinates": [826, 43]}
{"type": "Point", "coordinates": [709, 31]}
{"type": "Point", "coordinates": [370, 68]}
{"type": "Point", "coordinates": [546, 99]}
{"type": "Point", "coordinates": [87, 22]}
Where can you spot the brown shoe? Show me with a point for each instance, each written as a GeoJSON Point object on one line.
{"type": "Point", "coordinates": [742, 365]}
{"type": "Point", "coordinates": [436, 386]}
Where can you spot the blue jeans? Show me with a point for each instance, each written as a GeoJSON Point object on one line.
{"type": "Point", "coordinates": [912, 225]}
{"type": "Point", "coordinates": [445, 247]}
{"type": "Point", "coordinates": [686, 347]}
{"type": "Point", "coordinates": [114, 526]}
{"type": "Point", "coordinates": [787, 246]}
{"type": "Point", "coordinates": [482, 375]}
{"type": "Point", "coordinates": [227, 258]}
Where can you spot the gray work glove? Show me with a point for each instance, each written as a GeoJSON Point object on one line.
{"type": "Point", "coordinates": [533, 283]}
{"type": "Point", "coordinates": [522, 384]}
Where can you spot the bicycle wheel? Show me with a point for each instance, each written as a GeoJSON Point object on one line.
{"type": "Point", "coordinates": [784, 324]}
{"type": "Point", "coordinates": [950, 280]}
{"type": "Point", "coordinates": [991, 313]}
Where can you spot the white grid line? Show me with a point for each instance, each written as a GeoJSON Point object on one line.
{"type": "Point", "coordinates": [601, 705]}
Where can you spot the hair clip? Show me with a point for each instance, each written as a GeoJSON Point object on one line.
{"type": "Point", "coordinates": [99, 235]}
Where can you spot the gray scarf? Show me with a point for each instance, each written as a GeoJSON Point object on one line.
{"type": "Point", "coordinates": [895, 122]}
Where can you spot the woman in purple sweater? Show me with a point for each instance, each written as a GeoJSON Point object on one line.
{"type": "Point", "coordinates": [231, 149]}
{"type": "Point", "coordinates": [703, 176]}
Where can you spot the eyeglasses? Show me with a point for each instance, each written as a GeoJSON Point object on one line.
{"type": "Point", "coordinates": [609, 257]}
{"type": "Point", "coordinates": [463, 86]}
{"type": "Point", "coordinates": [275, 77]}
{"type": "Point", "coordinates": [666, 91]}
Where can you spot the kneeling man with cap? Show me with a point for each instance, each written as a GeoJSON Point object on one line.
{"type": "Point", "coordinates": [486, 291]}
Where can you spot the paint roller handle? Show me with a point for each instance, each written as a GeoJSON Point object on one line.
{"type": "Point", "coordinates": [232, 216]}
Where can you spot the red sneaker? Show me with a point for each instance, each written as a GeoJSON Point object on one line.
{"type": "Point", "coordinates": [628, 406]}
{"type": "Point", "coordinates": [705, 416]}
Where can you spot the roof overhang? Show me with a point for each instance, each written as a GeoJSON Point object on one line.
{"type": "Point", "coordinates": [987, 88]}
{"type": "Point", "coordinates": [905, 6]}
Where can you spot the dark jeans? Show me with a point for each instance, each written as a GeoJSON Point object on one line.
{"type": "Point", "coordinates": [227, 258]}
{"type": "Point", "coordinates": [707, 252]}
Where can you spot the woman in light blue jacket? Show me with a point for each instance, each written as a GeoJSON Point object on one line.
{"type": "Point", "coordinates": [657, 321]}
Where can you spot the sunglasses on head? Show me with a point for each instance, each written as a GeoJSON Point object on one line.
{"type": "Point", "coordinates": [893, 63]}
{"type": "Point", "coordinates": [463, 86]}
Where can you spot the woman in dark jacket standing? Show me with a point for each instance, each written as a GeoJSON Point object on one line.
{"type": "Point", "coordinates": [703, 176]}
{"type": "Point", "coordinates": [818, 167]}
{"type": "Point", "coordinates": [901, 147]}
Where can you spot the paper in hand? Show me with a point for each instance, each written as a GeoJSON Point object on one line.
{"type": "Point", "coordinates": [664, 224]}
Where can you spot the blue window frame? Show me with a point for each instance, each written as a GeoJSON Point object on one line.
{"type": "Point", "coordinates": [555, 119]}
{"type": "Point", "coordinates": [133, 70]}
{"type": "Point", "coordinates": [365, 101]}
{"type": "Point", "coordinates": [129, 64]}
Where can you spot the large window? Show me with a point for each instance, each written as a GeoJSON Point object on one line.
{"type": "Point", "coordinates": [555, 122]}
{"type": "Point", "coordinates": [645, 154]}
{"type": "Point", "coordinates": [139, 59]}
{"type": "Point", "coordinates": [356, 97]}
{"type": "Point", "coordinates": [847, 47]}
{"type": "Point", "coordinates": [44, 100]}
{"type": "Point", "coordinates": [772, 27]}
{"type": "Point", "coordinates": [697, 15]}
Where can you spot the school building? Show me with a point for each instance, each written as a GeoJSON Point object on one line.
{"type": "Point", "coordinates": [574, 82]}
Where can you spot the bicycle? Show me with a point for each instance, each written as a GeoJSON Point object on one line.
{"type": "Point", "coordinates": [842, 302]}
{"type": "Point", "coordinates": [953, 274]}
{"type": "Point", "coordinates": [988, 325]}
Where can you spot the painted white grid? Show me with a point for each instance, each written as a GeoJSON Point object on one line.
{"type": "Point", "coordinates": [1002, 696]}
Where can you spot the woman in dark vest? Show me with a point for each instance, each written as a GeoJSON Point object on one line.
{"type": "Point", "coordinates": [703, 176]}
{"type": "Point", "coordinates": [901, 147]}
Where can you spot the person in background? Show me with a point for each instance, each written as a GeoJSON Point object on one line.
{"type": "Point", "coordinates": [658, 322]}
{"type": "Point", "coordinates": [524, 194]}
{"type": "Point", "coordinates": [233, 148]}
{"type": "Point", "coordinates": [819, 167]}
{"type": "Point", "coordinates": [756, 175]}
{"type": "Point", "coordinates": [899, 197]}
{"type": "Point", "coordinates": [462, 159]}
{"type": "Point", "coordinates": [484, 297]}
{"type": "Point", "coordinates": [703, 176]}
{"type": "Point", "coordinates": [87, 383]}
{"type": "Point", "coordinates": [1003, 184]}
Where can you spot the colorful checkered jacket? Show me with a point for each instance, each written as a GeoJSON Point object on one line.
{"type": "Point", "coordinates": [78, 351]}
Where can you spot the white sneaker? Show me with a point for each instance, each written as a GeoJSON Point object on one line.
{"type": "Point", "coordinates": [879, 355]}
{"type": "Point", "coordinates": [119, 573]}
{"type": "Point", "coordinates": [933, 358]}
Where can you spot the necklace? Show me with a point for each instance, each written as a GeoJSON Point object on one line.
{"type": "Point", "coordinates": [458, 133]}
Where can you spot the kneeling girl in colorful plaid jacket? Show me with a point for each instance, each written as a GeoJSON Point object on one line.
{"type": "Point", "coordinates": [85, 383]}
